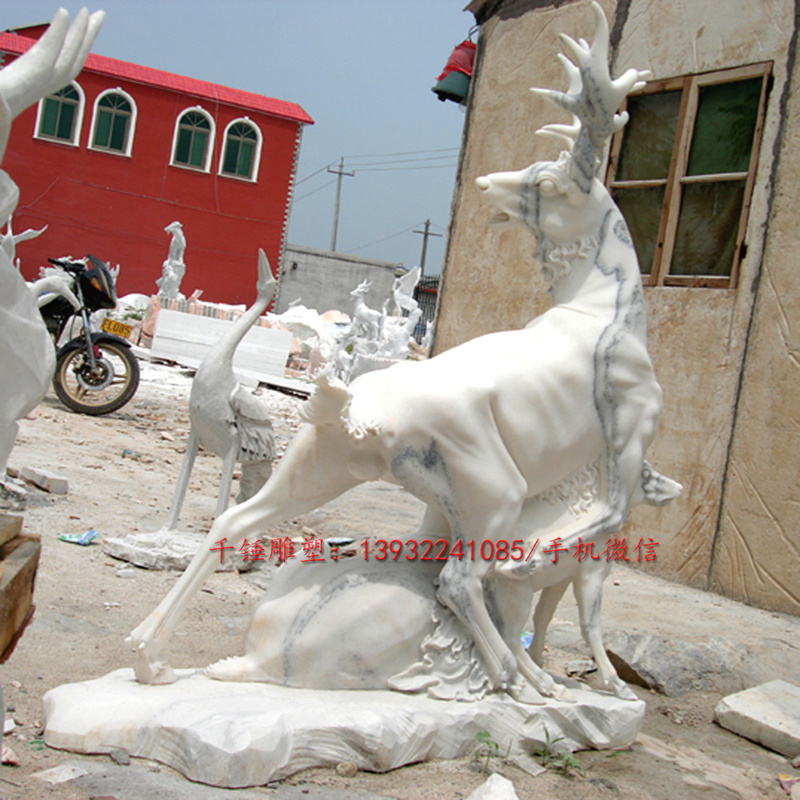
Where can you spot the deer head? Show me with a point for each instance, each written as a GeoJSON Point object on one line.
{"type": "Point", "coordinates": [562, 200]}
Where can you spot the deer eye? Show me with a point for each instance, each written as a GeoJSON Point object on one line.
{"type": "Point", "coordinates": [547, 187]}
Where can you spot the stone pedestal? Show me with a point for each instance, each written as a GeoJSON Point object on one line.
{"type": "Point", "coordinates": [245, 734]}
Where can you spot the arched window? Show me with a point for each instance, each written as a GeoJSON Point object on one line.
{"type": "Point", "coordinates": [59, 115]}
{"type": "Point", "coordinates": [114, 122]}
{"type": "Point", "coordinates": [242, 149]}
{"type": "Point", "coordinates": [194, 137]}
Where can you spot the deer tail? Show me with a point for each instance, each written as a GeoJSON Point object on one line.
{"type": "Point", "coordinates": [328, 405]}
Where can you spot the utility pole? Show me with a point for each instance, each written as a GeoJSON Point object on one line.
{"type": "Point", "coordinates": [340, 172]}
{"type": "Point", "coordinates": [425, 234]}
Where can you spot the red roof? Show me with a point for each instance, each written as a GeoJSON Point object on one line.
{"type": "Point", "coordinates": [102, 65]}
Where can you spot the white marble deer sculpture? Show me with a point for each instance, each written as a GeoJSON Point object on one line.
{"type": "Point", "coordinates": [482, 432]}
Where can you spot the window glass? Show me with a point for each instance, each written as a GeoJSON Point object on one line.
{"type": "Point", "coordinates": [240, 144]}
{"type": "Point", "coordinates": [642, 211]}
{"type": "Point", "coordinates": [723, 131]}
{"type": "Point", "coordinates": [685, 171]}
{"type": "Point", "coordinates": [193, 134]}
{"type": "Point", "coordinates": [649, 136]}
{"type": "Point", "coordinates": [57, 119]}
{"type": "Point", "coordinates": [112, 122]}
{"type": "Point", "coordinates": [707, 228]}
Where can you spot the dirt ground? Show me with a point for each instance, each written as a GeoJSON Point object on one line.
{"type": "Point", "coordinates": [121, 470]}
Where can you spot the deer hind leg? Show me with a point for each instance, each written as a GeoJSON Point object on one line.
{"type": "Point", "coordinates": [546, 606]}
{"type": "Point", "coordinates": [309, 475]}
{"type": "Point", "coordinates": [511, 601]}
{"type": "Point", "coordinates": [481, 499]}
{"type": "Point", "coordinates": [588, 588]}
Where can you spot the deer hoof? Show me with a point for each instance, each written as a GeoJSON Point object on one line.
{"type": "Point", "coordinates": [524, 693]}
{"type": "Point", "coordinates": [148, 667]}
{"type": "Point", "coordinates": [621, 689]}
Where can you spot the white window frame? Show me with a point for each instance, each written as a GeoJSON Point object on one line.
{"type": "Point", "coordinates": [256, 155]}
{"type": "Point", "coordinates": [131, 123]}
{"type": "Point", "coordinates": [78, 127]}
{"type": "Point", "coordinates": [211, 139]}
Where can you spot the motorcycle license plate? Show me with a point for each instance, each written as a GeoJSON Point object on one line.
{"type": "Point", "coordinates": [117, 328]}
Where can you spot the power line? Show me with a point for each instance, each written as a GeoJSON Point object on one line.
{"type": "Point", "coordinates": [308, 177]}
{"type": "Point", "coordinates": [314, 191]}
{"type": "Point", "coordinates": [407, 153]}
{"type": "Point", "coordinates": [451, 150]}
{"type": "Point", "coordinates": [395, 169]}
{"type": "Point", "coordinates": [385, 239]}
{"type": "Point", "coordinates": [400, 161]}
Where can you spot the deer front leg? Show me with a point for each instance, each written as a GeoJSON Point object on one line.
{"type": "Point", "coordinates": [310, 474]}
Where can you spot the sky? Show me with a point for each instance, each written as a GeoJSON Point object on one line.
{"type": "Point", "coordinates": [362, 69]}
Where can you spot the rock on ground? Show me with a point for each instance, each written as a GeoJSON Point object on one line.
{"type": "Point", "coordinates": [768, 714]}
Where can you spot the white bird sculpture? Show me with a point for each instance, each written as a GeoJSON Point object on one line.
{"type": "Point", "coordinates": [227, 419]}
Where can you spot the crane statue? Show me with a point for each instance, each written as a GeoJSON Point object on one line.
{"type": "Point", "coordinates": [226, 420]}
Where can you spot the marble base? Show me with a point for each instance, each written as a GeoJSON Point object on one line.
{"type": "Point", "coordinates": [245, 734]}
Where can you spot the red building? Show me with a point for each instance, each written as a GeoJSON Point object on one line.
{"type": "Point", "coordinates": [110, 160]}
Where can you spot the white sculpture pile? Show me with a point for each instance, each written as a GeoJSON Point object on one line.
{"type": "Point", "coordinates": [173, 269]}
{"type": "Point", "coordinates": [516, 442]}
{"type": "Point", "coordinates": [226, 420]}
{"type": "Point", "coordinates": [27, 357]}
{"type": "Point", "coordinates": [376, 339]}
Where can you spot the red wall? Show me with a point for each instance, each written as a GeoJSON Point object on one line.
{"type": "Point", "coordinates": [116, 207]}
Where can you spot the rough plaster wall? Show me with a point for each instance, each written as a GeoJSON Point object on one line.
{"type": "Point", "coordinates": [486, 271]}
{"type": "Point", "coordinates": [697, 336]}
{"type": "Point", "coordinates": [757, 554]}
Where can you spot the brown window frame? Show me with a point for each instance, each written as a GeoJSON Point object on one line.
{"type": "Point", "coordinates": [690, 85]}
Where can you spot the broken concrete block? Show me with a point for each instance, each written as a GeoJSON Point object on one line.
{"type": "Point", "coordinates": [768, 714]}
{"type": "Point", "coordinates": [674, 667]}
{"type": "Point", "coordinates": [49, 481]}
{"type": "Point", "coordinates": [496, 788]}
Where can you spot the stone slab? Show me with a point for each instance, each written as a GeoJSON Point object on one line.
{"type": "Point", "coordinates": [768, 714]}
{"type": "Point", "coordinates": [244, 734]}
{"type": "Point", "coordinates": [188, 338]}
{"type": "Point", "coordinates": [46, 480]}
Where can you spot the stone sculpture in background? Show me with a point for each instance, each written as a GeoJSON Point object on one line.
{"type": "Point", "coordinates": [376, 339]}
{"type": "Point", "coordinates": [173, 269]}
{"type": "Point", "coordinates": [226, 420]}
{"type": "Point", "coordinates": [521, 444]}
{"type": "Point", "coordinates": [27, 358]}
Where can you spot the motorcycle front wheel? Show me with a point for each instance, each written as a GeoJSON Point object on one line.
{"type": "Point", "coordinates": [112, 384]}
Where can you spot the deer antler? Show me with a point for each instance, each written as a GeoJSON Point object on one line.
{"type": "Point", "coordinates": [592, 99]}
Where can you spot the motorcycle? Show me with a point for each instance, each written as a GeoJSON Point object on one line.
{"type": "Point", "coordinates": [96, 371]}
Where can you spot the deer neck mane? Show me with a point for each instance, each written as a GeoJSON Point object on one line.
{"type": "Point", "coordinates": [596, 274]}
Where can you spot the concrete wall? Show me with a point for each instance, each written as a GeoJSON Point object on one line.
{"type": "Point", "coordinates": [323, 280]}
{"type": "Point", "coordinates": [727, 358]}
